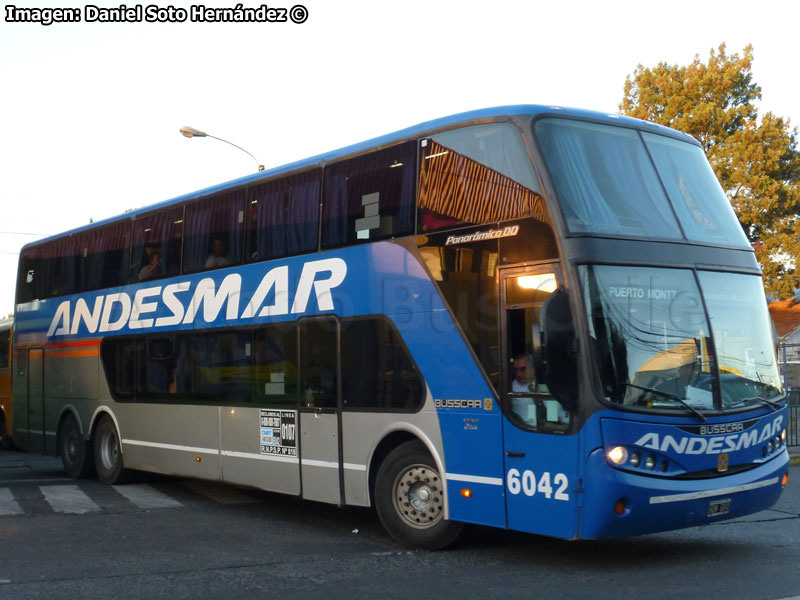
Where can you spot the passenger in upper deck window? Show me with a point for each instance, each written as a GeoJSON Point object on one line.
{"type": "Point", "coordinates": [152, 268]}
{"type": "Point", "coordinates": [218, 256]}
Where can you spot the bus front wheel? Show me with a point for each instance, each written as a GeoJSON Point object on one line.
{"type": "Point", "coordinates": [76, 453]}
{"type": "Point", "coordinates": [409, 499]}
{"type": "Point", "coordinates": [108, 454]}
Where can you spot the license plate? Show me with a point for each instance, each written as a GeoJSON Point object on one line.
{"type": "Point", "coordinates": [717, 508]}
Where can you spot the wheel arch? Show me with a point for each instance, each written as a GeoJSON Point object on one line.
{"type": "Point", "coordinates": [391, 440]}
{"type": "Point", "coordinates": [103, 411]}
{"type": "Point", "coordinates": [68, 410]}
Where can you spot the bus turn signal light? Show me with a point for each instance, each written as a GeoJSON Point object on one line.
{"type": "Point", "coordinates": [619, 507]}
{"type": "Point", "coordinates": [466, 492]}
{"type": "Point", "coordinates": [785, 479]}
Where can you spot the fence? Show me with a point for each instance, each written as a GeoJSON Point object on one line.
{"type": "Point", "coordinates": [789, 362]}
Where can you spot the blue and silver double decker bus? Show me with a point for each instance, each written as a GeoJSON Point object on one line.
{"type": "Point", "coordinates": [527, 317]}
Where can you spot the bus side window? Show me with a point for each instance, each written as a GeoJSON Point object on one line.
{"type": "Point", "coordinates": [377, 371]}
{"type": "Point", "coordinates": [220, 365]}
{"type": "Point", "coordinates": [318, 365]}
{"type": "Point", "coordinates": [283, 217]}
{"type": "Point", "coordinates": [156, 249]}
{"type": "Point", "coordinates": [213, 234]}
{"type": "Point", "coordinates": [5, 338]}
{"type": "Point", "coordinates": [157, 362]}
{"type": "Point", "coordinates": [275, 364]}
{"type": "Point", "coordinates": [105, 255]}
{"type": "Point", "coordinates": [369, 197]}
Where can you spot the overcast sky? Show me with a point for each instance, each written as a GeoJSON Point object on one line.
{"type": "Point", "coordinates": [90, 112]}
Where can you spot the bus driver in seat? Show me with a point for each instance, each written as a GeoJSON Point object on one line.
{"type": "Point", "coordinates": [520, 384]}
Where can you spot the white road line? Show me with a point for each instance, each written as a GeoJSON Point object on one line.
{"type": "Point", "coordinates": [68, 499]}
{"type": "Point", "coordinates": [8, 506]}
{"type": "Point", "coordinates": [7, 481]}
{"type": "Point", "coordinates": [218, 493]}
{"type": "Point", "coordinates": [146, 496]}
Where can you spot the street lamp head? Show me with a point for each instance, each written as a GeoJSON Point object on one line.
{"type": "Point", "coordinates": [190, 132]}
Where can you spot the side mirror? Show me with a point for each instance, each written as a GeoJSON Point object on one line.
{"type": "Point", "coordinates": [554, 349]}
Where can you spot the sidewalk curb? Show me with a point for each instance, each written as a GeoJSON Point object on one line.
{"type": "Point", "coordinates": [794, 459]}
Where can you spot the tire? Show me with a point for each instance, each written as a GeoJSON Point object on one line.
{"type": "Point", "coordinates": [108, 454]}
{"type": "Point", "coordinates": [76, 453]}
{"type": "Point", "coordinates": [409, 499]}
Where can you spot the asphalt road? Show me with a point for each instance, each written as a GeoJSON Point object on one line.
{"type": "Point", "coordinates": [170, 538]}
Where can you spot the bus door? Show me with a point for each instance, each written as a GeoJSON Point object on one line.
{"type": "Point", "coordinates": [319, 393]}
{"type": "Point", "coordinates": [36, 424]}
{"type": "Point", "coordinates": [540, 454]}
{"type": "Point", "coordinates": [259, 443]}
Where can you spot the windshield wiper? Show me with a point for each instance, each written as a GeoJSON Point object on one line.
{"type": "Point", "coordinates": [669, 396]}
{"type": "Point", "coordinates": [771, 403]}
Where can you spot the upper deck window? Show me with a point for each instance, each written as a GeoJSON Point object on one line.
{"type": "Point", "coordinates": [283, 217]}
{"type": "Point", "coordinates": [369, 197]}
{"type": "Point", "coordinates": [619, 181]}
{"type": "Point", "coordinates": [157, 246]}
{"type": "Point", "coordinates": [702, 208]}
{"type": "Point", "coordinates": [605, 180]}
{"type": "Point", "coordinates": [214, 232]}
{"type": "Point", "coordinates": [106, 255]}
{"type": "Point", "coordinates": [476, 175]}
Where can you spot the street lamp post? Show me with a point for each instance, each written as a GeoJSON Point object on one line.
{"type": "Point", "coordinates": [191, 132]}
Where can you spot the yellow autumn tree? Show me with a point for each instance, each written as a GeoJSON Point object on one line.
{"type": "Point", "coordinates": [756, 159]}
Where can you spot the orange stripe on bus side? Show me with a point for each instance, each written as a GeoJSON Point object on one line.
{"type": "Point", "coordinates": [78, 344]}
{"type": "Point", "coordinates": [69, 353]}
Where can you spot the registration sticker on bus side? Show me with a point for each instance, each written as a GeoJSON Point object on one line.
{"type": "Point", "coordinates": [277, 430]}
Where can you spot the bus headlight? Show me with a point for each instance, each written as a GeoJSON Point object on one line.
{"type": "Point", "coordinates": [618, 455]}
{"type": "Point", "coordinates": [650, 462]}
{"type": "Point", "coordinates": [636, 458]}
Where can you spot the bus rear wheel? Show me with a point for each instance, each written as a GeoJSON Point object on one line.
{"type": "Point", "coordinates": [76, 453]}
{"type": "Point", "coordinates": [108, 454]}
{"type": "Point", "coordinates": [409, 499]}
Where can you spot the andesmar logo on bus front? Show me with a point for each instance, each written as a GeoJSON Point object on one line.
{"type": "Point", "coordinates": [113, 312]}
{"type": "Point", "coordinates": [714, 444]}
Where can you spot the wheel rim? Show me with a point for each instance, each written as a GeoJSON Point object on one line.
{"type": "Point", "coordinates": [419, 496]}
{"type": "Point", "coordinates": [109, 450]}
{"type": "Point", "coordinates": [71, 445]}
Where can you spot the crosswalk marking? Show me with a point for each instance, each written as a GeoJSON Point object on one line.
{"type": "Point", "coordinates": [72, 499]}
{"type": "Point", "coordinates": [146, 496]}
{"type": "Point", "coordinates": [8, 506]}
{"type": "Point", "coordinates": [219, 493]}
{"type": "Point", "coordinates": [68, 499]}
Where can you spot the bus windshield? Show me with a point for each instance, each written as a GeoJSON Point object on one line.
{"type": "Point", "coordinates": [656, 348]}
{"type": "Point", "coordinates": [619, 181]}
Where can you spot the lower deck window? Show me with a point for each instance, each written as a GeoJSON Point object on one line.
{"type": "Point", "coordinates": [356, 363]}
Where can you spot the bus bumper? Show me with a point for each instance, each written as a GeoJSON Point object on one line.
{"type": "Point", "coordinates": [652, 504]}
